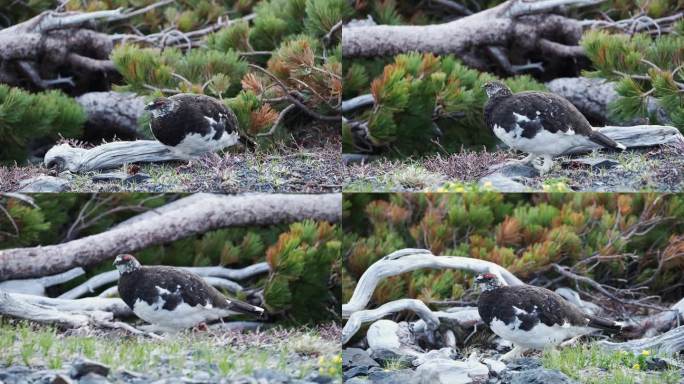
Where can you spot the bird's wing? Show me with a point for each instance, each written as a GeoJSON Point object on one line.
{"type": "Point", "coordinates": [552, 112]}
{"type": "Point", "coordinates": [535, 304]}
{"type": "Point", "coordinates": [224, 120]}
{"type": "Point", "coordinates": [190, 288]}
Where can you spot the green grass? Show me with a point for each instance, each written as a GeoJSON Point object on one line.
{"type": "Point", "coordinates": [296, 352]}
{"type": "Point", "coordinates": [591, 364]}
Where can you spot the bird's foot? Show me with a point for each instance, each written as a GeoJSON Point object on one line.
{"type": "Point", "coordinates": [513, 354]}
{"type": "Point", "coordinates": [546, 165]}
{"type": "Point", "coordinates": [201, 327]}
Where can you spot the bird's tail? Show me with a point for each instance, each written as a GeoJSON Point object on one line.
{"type": "Point", "coordinates": [603, 140]}
{"type": "Point", "coordinates": [241, 307]}
{"type": "Point", "coordinates": [605, 325]}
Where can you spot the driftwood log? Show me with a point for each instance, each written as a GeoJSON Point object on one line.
{"type": "Point", "coordinates": [109, 155]}
{"type": "Point", "coordinates": [112, 115]}
{"type": "Point", "coordinates": [515, 25]}
{"type": "Point", "coordinates": [214, 212]}
{"type": "Point", "coordinates": [464, 317]}
{"type": "Point", "coordinates": [37, 286]}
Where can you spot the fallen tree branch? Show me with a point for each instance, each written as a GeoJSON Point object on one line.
{"type": "Point", "coordinates": [528, 25]}
{"type": "Point", "coordinates": [37, 286]}
{"type": "Point", "coordinates": [109, 155]}
{"type": "Point", "coordinates": [216, 212]}
{"type": "Point", "coordinates": [670, 342]}
{"type": "Point", "coordinates": [358, 318]}
{"type": "Point", "coordinates": [407, 260]}
{"type": "Point", "coordinates": [111, 114]}
{"type": "Point", "coordinates": [115, 306]}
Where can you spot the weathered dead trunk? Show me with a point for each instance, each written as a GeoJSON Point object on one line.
{"type": "Point", "coordinates": [526, 25]}
{"type": "Point", "coordinates": [216, 211]}
{"type": "Point", "coordinates": [111, 114]}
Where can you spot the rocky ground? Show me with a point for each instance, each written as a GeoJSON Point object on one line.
{"type": "Point", "coordinates": [309, 170]}
{"type": "Point", "coordinates": [580, 364]}
{"type": "Point", "coordinates": [279, 356]}
{"type": "Point", "coordinates": [652, 169]}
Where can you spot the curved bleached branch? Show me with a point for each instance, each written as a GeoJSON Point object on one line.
{"type": "Point", "coordinates": [37, 286]}
{"type": "Point", "coordinates": [106, 156]}
{"type": "Point", "coordinates": [358, 318]}
{"type": "Point", "coordinates": [669, 343]}
{"type": "Point", "coordinates": [407, 260]}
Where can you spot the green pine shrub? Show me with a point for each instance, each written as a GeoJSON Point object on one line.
{"type": "Point", "coordinates": [25, 116]}
{"type": "Point", "coordinates": [304, 281]}
{"type": "Point", "coordinates": [424, 102]}
{"type": "Point", "coordinates": [521, 232]}
{"type": "Point", "coordinates": [643, 67]}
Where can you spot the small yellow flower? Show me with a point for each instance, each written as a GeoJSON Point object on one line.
{"type": "Point", "coordinates": [321, 370]}
{"type": "Point", "coordinates": [636, 366]}
{"type": "Point", "coordinates": [337, 359]}
{"type": "Point", "coordinates": [645, 352]}
{"type": "Point", "coordinates": [488, 184]}
{"type": "Point", "coordinates": [460, 189]}
{"type": "Point", "coordinates": [332, 371]}
{"type": "Point", "coordinates": [321, 360]}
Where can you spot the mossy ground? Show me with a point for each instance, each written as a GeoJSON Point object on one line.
{"type": "Point", "coordinates": [654, 169]}
{"type": "Point", "coordinates": [296, 352]}
{"type": "Point", "coordinates": [591, 364]}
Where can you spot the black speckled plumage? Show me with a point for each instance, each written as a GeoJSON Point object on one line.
{"type": "Point", "coordinates": [544, 111]}
{"type": "Point", "coordinates": [192, 116]}
{"type": "Point", "coordinates": [540, 306]}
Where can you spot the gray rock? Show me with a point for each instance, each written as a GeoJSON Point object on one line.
{"type": "Point", "coordinates": [524, 363]}
{"type": "Point", "coordinates": [271, 376]}
{"type": "Point", "coordinates": [61, 379]}
{"type": "Point", "coordinates": [443, 353]}
{"type": "Point", "coordinates": [357, 357]}
{"type": "Point", "coordinates": [93, 378]}
{"type": "Point", "coordinates": [392, 356]}
{"type": "Point", "coordinates": [540, 376]}
{"type": "Point", "coordinates": [499, 182]}
{"type": "Point", "coordinates": [356, 380]}
{"type": "Point", "coordinates": [594, 162]}
{"type": "Point", "coordinates": [496, 367]}
{"type": "Point", "coordinates": [121, 177]}
{"type": "Point", "coordinates": [352, 372]}
{"type": "Point", "coordinates": [391, 377]}
{"type": "Point", "coordinates": [82, 367]}
{"type": "Point", "coordinates": [317, 378]}
{"type": "Point", "coordinates": [516, 170]}
{"type": "Point", "coordinates": [43, 184]}
{"type": "Point", "coordinates": [443, 371]}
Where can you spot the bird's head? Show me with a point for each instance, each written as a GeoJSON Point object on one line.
{"type": "Point", "coordinates": [487, 281]}
{"type": "Point", "coordinates": [496, 89]}
{"type": "Point", "coordinates": [126, 263]}
{"type": "Point", "coordinates": [161, 106]}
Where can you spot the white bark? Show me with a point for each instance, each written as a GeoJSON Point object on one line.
{"type": "Point", "coordinates": [37, 286]}
{"type": "Point", "coordinates": [634, 137]}
{"type": "Point", "coordinates": [115, 306]}
{"type": "Point", "coordinates": [670, 342]}
{"type": "Point", "coordinates": [217, 211]}
{"type": "Point", "coordinates": [407, 260]}
{"type": "Point", "coordinates": [109, 155]}
{"type": "Point", "coordinates": [358, 318]}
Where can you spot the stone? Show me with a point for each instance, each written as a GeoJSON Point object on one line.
{"type": "Point", "coordinates": [383, 334]}
{"type": "Point", "coordinates": [499, 182]}
{"type": "Point", "coordinates": [120, 177]}
{"type": "Point", "coordinates": [496, 367]}
{"type": "Point", "coordinates": [516, 170]}
{"type": "Point", "coordinates": [355, 371]}
{"type": "Point", "coordinates": [44, 184]}
{"type": "Point", "coordinates": [356, 380]}
{"type": "Point", "coordinates": [82, 367]}
{"type": "Point", "coordinates": [540, 376]}
{"type": "Point", "coordinates": [392, 356]}
{"type": "Point", "coordinates": [315, 377]}
{"type": "Point", "coordinates": [270, 376]}
{"type": "Point", "coordinates": [443, 371]}
{"type": "Point", "coordinates": [594, 162]}
{"type": "Point", "coordinates": [93, 378]}
{"type": "Point", "coordinates": [443, 353]}
{"type": "Point", "coordinates": [61, 379]}
{"type": "Point", "coordinates": [357, 357]}
{"type": "Point", "coordinates": [391, 377]}
{"type": "Point", "coordinates": [524, 363]}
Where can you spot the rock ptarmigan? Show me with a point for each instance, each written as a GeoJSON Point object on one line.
{"type": "Point", "coordinates": [171, 298]}
{"type": "Point", "coordinates": [533, 317]}
{"type": "Point", "coordinates": [193, 125]}
{"type": "Point", "coordinates": [539, 123]}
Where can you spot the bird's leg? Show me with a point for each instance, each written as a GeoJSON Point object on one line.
{"type": "Point", "coordinates": [514, 353]}
{"type": "Point", "coordinates": [548, 163]}
{"type": "Point", "coordinates": [529, 159]}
